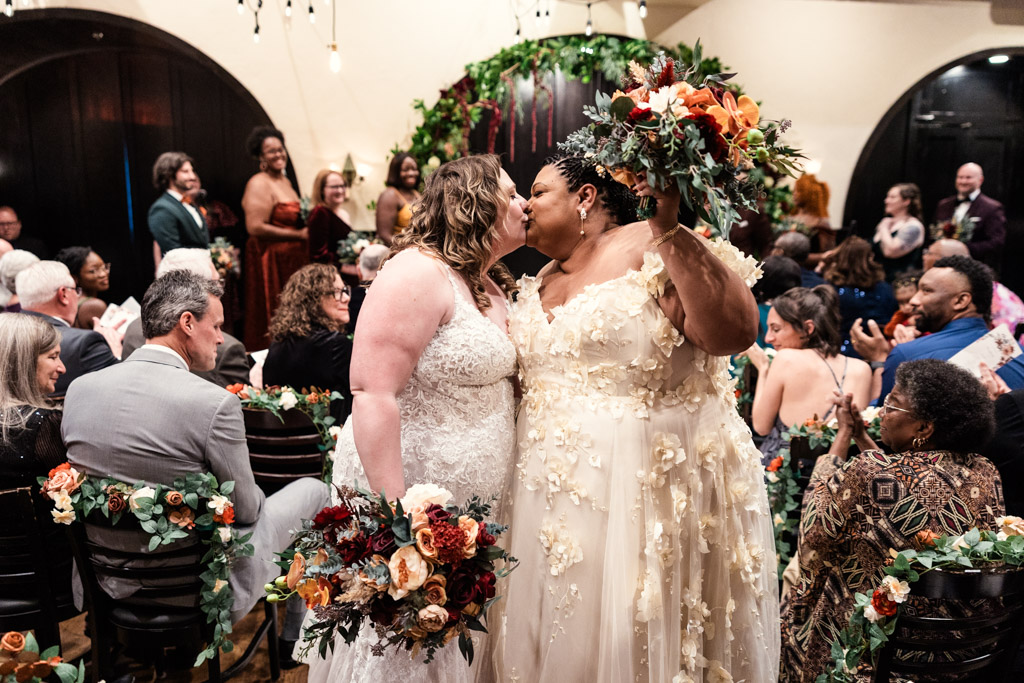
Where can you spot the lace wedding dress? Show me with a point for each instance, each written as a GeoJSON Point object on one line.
{"type": "Point", "coordinates": [457, 416]}
{"type": "Point", "coordinates": [640, 516]}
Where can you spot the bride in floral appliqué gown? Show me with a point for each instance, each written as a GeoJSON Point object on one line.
{"type": "Point", "coordinates": [640, 516]}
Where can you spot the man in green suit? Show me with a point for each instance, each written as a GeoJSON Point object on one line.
{"type": "Point", "coordinates": [173, 222]}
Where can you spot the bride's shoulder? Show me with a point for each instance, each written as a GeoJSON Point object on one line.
{"type": "Point", "coordinates": [415, 268]}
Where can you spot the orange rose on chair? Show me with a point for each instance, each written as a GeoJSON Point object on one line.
{"type": "Point", "coordinates": [64, 477]}
{"type": "Point", "coordinates": [12, 642]}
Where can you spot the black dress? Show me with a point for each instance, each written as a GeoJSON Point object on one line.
{"type": "Point", "coordinates": [319, 360]}
{"type": "Point", "coordinates": [32, 451]}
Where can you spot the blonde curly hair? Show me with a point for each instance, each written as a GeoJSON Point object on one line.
{"type": "Point", "coordinates": [457, 218]}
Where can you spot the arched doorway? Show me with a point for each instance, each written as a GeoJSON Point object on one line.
{"type": "Point", "coordinates": [88, 101]}
{"type": "Point", "coordinates": [967, 110]}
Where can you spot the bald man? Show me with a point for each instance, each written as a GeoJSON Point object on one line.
{"type": "Point", "coordinates": [987, 215]}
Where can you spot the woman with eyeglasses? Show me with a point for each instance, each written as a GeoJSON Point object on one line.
{"type": "Point", "coordinates": [92, 275]}
{"type": "Point", "coordinates": [934, 422]}
{"type": "Point", "coordinates": [309, 346]}
{"type": "Point", "coordinates": [328, 221]}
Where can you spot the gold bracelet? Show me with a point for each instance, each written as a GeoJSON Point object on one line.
{"type": "Point", "coordinates": [666, 236]}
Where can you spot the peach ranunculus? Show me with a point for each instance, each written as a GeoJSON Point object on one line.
{"type": "Point", "coordinates": [64, 477]}
{"type": "Point", "coordinates": [316, 592]}
{"type": "Point", "coordinates": [183, 517]}
{"type": "Point", "coordinates": [174, 498]}
{"type": "Point", "coordinates": [432, 618]}
{"type": "Point", "coordinates": [13, 642]}
{"type": "Point", "coordinates": [296, 571]}
{"type": "Point", "coordinates": [434, 590]}
{"type": "Point", "coordinates": [1011, 525]}
{"type": "Point", "coordinates": [472, 528]}
{"type": "Point", "coordinates": [408, 571]}
{"type": "Point", "coordinates": [425, 543]}
{"type": "Point", "coordinates": [736, 116]}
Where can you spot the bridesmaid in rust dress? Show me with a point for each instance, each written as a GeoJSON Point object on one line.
{"type": "Point", "coordinates": [278, 242]}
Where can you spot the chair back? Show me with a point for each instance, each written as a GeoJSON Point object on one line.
{"type": "Point", "coordinates": [282, 451]}
{"type": "Point", "coordinates": [975, 648]}
{"type": "Point", "coordinates": [35, 569]}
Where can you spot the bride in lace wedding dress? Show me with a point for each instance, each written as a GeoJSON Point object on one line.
{"type": "Point", "coordinates": [640, 516]}
{"type": "Point", "coordinates": [431, 376]}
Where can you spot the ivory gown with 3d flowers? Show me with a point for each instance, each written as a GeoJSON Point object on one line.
{"type": "Point", "coordinates": [640, 516]}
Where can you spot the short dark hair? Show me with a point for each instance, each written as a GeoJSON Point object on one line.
{"type": "Point", "coordinates": [254, 143]}
{"type": "Point", "coordinates": [74, 258]}
{"type": "Point", "coordinates": [395, 169]}
{"type": "Point", "coordinates": [167, 166]}
{"type": "Point", "coordinates": [979, 278]}
{"type": "Point", "coordinates": [819, 305]}
{"type": "Point", "coordinates": [615, 197]}
{"type": "Point", "coordinates": [780, 274]}
{"type": "Point", "coordinates": [173, 294]}
{"type": "Point", "coordinates": [950, 398]}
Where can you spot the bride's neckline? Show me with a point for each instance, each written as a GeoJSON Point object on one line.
{"type": "Point", "coordinates": [587, 290]}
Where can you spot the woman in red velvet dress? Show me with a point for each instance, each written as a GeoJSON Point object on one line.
{"type": "Point", "coordinates": [329, 223]}
{"type": "Point", "coordinates": [278, 242]}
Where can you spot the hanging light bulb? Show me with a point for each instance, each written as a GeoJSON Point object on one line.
{"type": "Point", "coordinates": [643, 9]}
{"type": "Point", "coordinates": [256, 32]}
{"type": "Point", "coordinates": [9, 8]}
{"type": "Point", "coordinates": [335, 59]}
{"type": "Point", "coordinates": [241, 7]}
{"type": "Point", "coordinates": [288, 8]}
{"type": "Point", "coordinates": [590, 24]}
{"type": "Point", "coordinates": [312, 16]}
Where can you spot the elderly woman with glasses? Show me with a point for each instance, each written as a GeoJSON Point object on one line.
{"type": "Point", "coordinates": [309, 346]}
{"type": "Point", "coordinates": [92, 276]}
{"type": "Point", "coordinates": [935, 421]}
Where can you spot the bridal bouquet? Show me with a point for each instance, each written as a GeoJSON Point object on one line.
{"type": "Point", "coordinates": [421, 570]}
{"type": "Point", "coordinates": [671, 125]}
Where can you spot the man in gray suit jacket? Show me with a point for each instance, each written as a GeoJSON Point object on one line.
{"type": "Point", "coordinates": [148, 419]}
{"type": "Point", "coordinates": [173, 223]}
{"type": "Point", "coordinates": [47, 291]}
{"type": "Point", "coordinates": [231, 366]}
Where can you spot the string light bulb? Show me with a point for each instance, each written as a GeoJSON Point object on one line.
{"type": "Point", "coordinates": [643, 9]}
{"type": "Point", "coordinates": [288, 8]}
{"type": "Point", "coordinates": [589, 31]}
{"type": "Point", "coordinates": [256, 32]}
{"type": "Point", "coordinates": [335, 60]}
{"type": "Point", "coordinates": [9, 8]}
{"type": "Point", "coordinates": [241, 7]}
{"type": "Point", "coordinates": [312, 15]}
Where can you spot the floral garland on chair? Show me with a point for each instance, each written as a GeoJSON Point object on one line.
{"type": "Point", "coordinates": [195, 501]}
{"type": "Point", "coordinates": [315, 404]}
{"type": "Point", "coordinates": [874, 617]}
{"type": "Point", "coordinates": [22, 662]}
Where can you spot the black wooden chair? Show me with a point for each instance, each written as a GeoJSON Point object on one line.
{"type": "Point", "coordinates": [987, 645]}
{"type": "Point", "coordinates": [281, 452]}
{"type": "Point", "coordinates": [145, 627]}
{"type": "Point", "coordinates": [35, 569]}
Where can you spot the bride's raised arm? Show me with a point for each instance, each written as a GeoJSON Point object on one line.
{"type": "Point", "coordinates": [409, 299]}
{"type": "Point", "coordinates": [709, 303]}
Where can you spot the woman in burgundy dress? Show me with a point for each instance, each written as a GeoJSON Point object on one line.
{"type": "Point", "coordinates": [329, 223]}
{"type": "Point", "coordinates": [278, 242]}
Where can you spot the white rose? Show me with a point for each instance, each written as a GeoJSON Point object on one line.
{"type": "Point", "coordinates": [63, 516]}
{"type": "Point", "coordinates": [896, 590]}
{"type": "Point", "coordinates": [433, 162]}
{"type": "Point", "coordinates": [288, 400]}
{"type": "Point", "coordinates": [1011, 525]}
{"type": "Point", "coordinates": [225, 534]}
{"type": "Point", "coordinates": [335, 432]}
{"type": "Point", "coordinates": [419, 497]}
{"type": "Point", "coordinates": [144, 492]}
{"type": "Point", "coordinates": [61, 500]}
{"type": "Point", "coordinates": [219, 503]}
{"type": "Point", "coordinates": [871, 614]}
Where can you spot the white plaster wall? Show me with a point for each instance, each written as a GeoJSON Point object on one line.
{"type": "Point", "coordinates": [835, 68]}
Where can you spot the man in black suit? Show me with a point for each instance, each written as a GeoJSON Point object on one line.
{"type": "Point", "coordinates": [10, 230]}
{"type": "Point", "coordinates": [47, 290]}
{"type": "Point", "coordinates": [986, 215]}
{"type": "Point", "coordinates": [173, 222]}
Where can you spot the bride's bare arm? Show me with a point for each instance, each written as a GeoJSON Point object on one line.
{"type": "Point", "coordinates": [409, 299]}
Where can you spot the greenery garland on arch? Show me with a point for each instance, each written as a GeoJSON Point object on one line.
{"type": "Point", "coordinates": [489, 85]}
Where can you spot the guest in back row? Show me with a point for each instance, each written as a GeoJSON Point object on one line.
{"type": "Point", "coordinates": [231, 366]}
{"type": "Point", "coordinates": [12, 263]}
{"type": "Point", "coordinates": [985, 215]}
{"type": "Point", "coordinates": [310, 347]}
{"type": "Point", "coordinates": [92, 275]}
{"type": "Point", "coordinates": [863, 292]}
{"type": "Point", "coordinates": [173, 221]}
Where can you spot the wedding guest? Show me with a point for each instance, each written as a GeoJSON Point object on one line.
{"type": "Point", "coordinates": [149, 419]}
{"type": "Point", "coordinates": [797, 246]}
{"type": "Point", "coordinates": [810, 215]}
{"type": "Point", "coordinates": [278, 242]}
{"type": "Point", "coordinates": [900, 234]}
{"type": "Point", "coordinates": [1007, 307]}
{"type": "Point", "coordinates": [10, 230]}
{"type": "Point", "coordinates": [779, 274]}
{"type": "Point", "coordinates": [987, 216]}
{"type": "Point", "coordinates": [48, 291]}
{"type": "Point", "coordinates": [904, 287]}
{"type": "Point", "coordinates": [11, 264]}
{"type": "Point", "coordinates": [368, 262]}
{"type": "Point", "coordinates": [935, 421]}
{"type": "Point", "coordinates": [174, 222]}
{"type": "Point", "coordinates": [860, 281]}
{"type": "Point", "coordinates": [803, 326]}
{"type": "Point", "coordinates": [952, 304]}
{"type": "Point", "coordinates": [231, 366]}
{"type": "Point", "coordinates": [92, 275]}
{"type": "Point", "coordinates": [30, 443]}
{"type": "Point", "coordinates": [1006, 449]}
{"type": "Point", "coordinates": [328, 221]}
{"type": "Point", "coordinates": [309, 346]}
{"type": "Point", "coordinates": [394, 206]}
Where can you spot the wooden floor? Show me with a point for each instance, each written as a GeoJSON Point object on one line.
{"type": "Point", "coordinates": [76, 644]}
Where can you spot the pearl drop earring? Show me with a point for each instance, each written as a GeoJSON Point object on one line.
{"type": "Point", "coordinates": [583, 217]}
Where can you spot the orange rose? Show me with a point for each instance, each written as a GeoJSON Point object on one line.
{"type": "Point", "coordinates": [775, 464]}
{"type": "Point", "coordinates": [312, 398]}
{"type": "Point", "coordinates": [12, 642]}
{"type": "Point", "coordinates": [296, 571]}
{"type": "Point", "coordinates": [433, 590]}
{"type": "Point", "coordinates": [228, 517]}
{"type": "Point", "coordinates": [882, 604]}
{"type": "Point", "coordinates": [926, 538]}
{"type": "Point", "coordinates": [183, 517]}
{"type": "Point", "coordinates": [63, 478]}
{"type": "Point", "coordinates": [425, 543]}
{"type": "Point", "coordinates": [472, 528]}
{"type": "Point", "coordinates": [174, 498]}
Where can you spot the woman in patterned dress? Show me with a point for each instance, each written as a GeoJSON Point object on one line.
{"type": "Point", "coordinates": [935, 419]}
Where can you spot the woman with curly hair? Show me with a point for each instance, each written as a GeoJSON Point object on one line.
{"type": "Point", "coordinates": [810, 215]}
{"type": "Point", "coordinates": [277, 244]}
{"type": "Point", "coordinates": [432, 370]}
{"type": "Point", "coordinates": [863, 292]}
{"type": "Point", "coordinates": [309, 347]}
{"type": "Point", "coordinates": [935, 421]}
